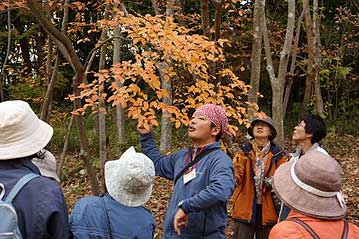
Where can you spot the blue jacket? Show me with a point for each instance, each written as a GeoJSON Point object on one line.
{"type": "Point", "coordinates": [204, 198]}
{"type": "Point", "coordinates": [40, 205]}
{"type": "Point", "coordinates": [89, 221]}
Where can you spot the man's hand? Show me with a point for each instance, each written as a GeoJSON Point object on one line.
{"type": "Point", "coordinates": [144, 128]}
{"type": "Point", "coordinates": [180, 220]}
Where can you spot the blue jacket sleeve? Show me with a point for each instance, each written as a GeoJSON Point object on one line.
{"type": "Point", "coordinates": [220, 187]}
{"type": "Point", "coordinates": [164, 164]}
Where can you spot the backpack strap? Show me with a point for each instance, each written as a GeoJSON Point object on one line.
{"type": "Point", "coordinates": [305, 225]}
{"type": "Point", "coordinates": [2, 193]}
{"type": "Point", "coordinates": [345, 230]}
{"type": "Point", "coordinates": [19, 185]}
{"type": "Point", "coordinates": [193, 162]}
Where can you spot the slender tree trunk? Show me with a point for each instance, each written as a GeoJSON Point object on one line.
{"type": "Point", "coordinates": [289, 82]}
{"type": "Point", "coordinates": [317, 59]}
{"type": "Point", "coordinates": [277, 83]}
{"type": "Point", "coordinates": [205, 18]}
{"type": "Point", "coordinates": [218, 19]}
{"type": "Point", "coordinates": [102, 105]}
{"type": "Point", "coordinates": [256, 56]}
{"type": "Point", "coordinates": [66, 145]}
{"type": "Point", "coordinates": [46, 106]}
{"type": "Point", "coordinates": [2, 76]}
{"type": "Point", "coordinates": [166, 126]}
{"type": "Point", "coordinates": [310, 62]}
{"type": "Point", "coordinates": [84, 145]}
{"type": "Point", "coordinates": [120, 119]}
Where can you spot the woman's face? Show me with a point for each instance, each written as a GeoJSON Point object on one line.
{"type": "Point", "coordinates": [261, 130]}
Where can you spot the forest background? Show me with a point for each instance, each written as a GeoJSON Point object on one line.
{"type": "Point", "coordinates": [94, 70]}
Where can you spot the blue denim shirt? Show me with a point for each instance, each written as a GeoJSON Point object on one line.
{"type": "Point", "coordinates": [89, 221]}
{"type": "Point", "coordinates": [204, 198]}
{"type": "Point", "coordinates": [40, 205]}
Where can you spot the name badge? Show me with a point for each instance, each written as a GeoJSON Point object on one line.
{"type": "Point", "coordinates": [189, 176]}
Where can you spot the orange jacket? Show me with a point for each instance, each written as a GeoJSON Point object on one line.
{"type": "Point", "coordinates": [243, 199]}
{"type": "Point", "coordinates": [324, 228]}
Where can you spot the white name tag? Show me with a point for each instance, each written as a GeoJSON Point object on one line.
{"type": "Point", "coordinates": [189, 176]}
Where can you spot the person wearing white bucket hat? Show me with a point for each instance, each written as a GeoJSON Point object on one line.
{"type": "Point", "coordinates": [311, 187]}
{"type": "Point", "coordinates": [40, 204]}
{"type": "Point", "coordinates": [120, 212]}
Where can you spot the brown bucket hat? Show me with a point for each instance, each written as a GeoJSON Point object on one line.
{"type": "Point", "coordinates": [311, 186]}
{"type": "Point", "coordinates": [268, 120]}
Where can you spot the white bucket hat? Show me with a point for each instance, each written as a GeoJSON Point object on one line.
{"type": "Point", "coordinates": [22, 133]}
{"type": "Point", "coordinates": [129, 179]}
{"type": "Point", "coordinates": [46, 163]}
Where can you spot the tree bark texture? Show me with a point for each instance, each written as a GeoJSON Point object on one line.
{"type": "Point", "coordinates": [120, 115]}
{"type": "Point", "coordinates": [2, 76]}
{"type": "Point", "coordinates": [205, 19]}
{"type": "Point", "coordinates": [277, 83]}
{"type": "Point", "coordinates": [289, 81]}
{"type": "Point", "coordinates": [256, 55]}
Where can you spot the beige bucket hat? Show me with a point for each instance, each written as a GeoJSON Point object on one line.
{"type": "Point", "coordinates": [129, 179]}
{"type": "Point", "coordinates": [22, 133]}
{"type": "Point", "coordinates": [311, 186]}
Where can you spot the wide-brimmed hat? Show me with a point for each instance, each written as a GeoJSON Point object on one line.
{"type": "Point", "coordinates": [129, 179]}
{"type": "Point", "coordinates": [311, 186]}
{"type": "Point", "coordinates": [268, 120]}
{"type": "Point", "coordinates": [46, 163]}
{"type": "Point", "coordinates": [22, 133]}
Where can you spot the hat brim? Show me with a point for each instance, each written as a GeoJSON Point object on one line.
{"type": "Point", "coordinates": [118, 193]}
{"type": "Point", "coordinates": [302, 201]}
{"type": "Point", "coordinates": [30, 145]}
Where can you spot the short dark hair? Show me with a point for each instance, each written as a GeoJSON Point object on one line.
{"type": "Point", "coordinates": [315, 125]}
{"type": "Point", "coordinates": [218, 136]}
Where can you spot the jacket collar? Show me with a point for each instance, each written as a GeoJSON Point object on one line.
{"type": "Point", "coordinates": [19, 163]}
{"type": "Point", "coordinates": [277, 153]}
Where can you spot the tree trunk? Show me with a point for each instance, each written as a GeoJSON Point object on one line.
{"type": "Point", "coordinates": [310, 70]}
{"type": "Point", "coordinates": [46, 106]}
{"type": "Point", "coordinates": [277, 83]}
{"type": "Point", "coordinates": [102, 105]}
{"type": "Point", "coordinates": [205, 18]}
{"type": "Point", "coordinates": [256, 56]}
{"type": "Point", "coordinates": [166, 126]}
{"type": "Point", "coordinates": [66, 145]}
{"type": "Point", "coordinates": [218, 19]}
{"type": "Point", "coordinates": [317, 59]}
{"type": "Point", "coordinates": [120, 119]}
{"type": "Point", "coordinates": [65, 45]}
{"type": "Point", "coordinates": [289, 82]}
{"type": "Point", "coordinates": [2, 76]}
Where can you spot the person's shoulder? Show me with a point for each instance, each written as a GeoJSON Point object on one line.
{"type": "Point", "coordinates": [92, 200]}
{"type": "Point", "coordinates": [44, 184]}
{"type": "Point", "coordinates": [353, 231]}
{"type": "Point", "coordinates": [285, 229]}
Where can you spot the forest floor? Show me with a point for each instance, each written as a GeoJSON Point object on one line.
{"type": "Point", "coordinates": [345, 149]}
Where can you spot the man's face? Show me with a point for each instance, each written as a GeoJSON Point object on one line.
{"type": "Point", "coordinates": [261, 130]}
{"type": "Point", "coordinates": [200, 130]}
{"type": "Point", "coordinates": [299, 133]}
